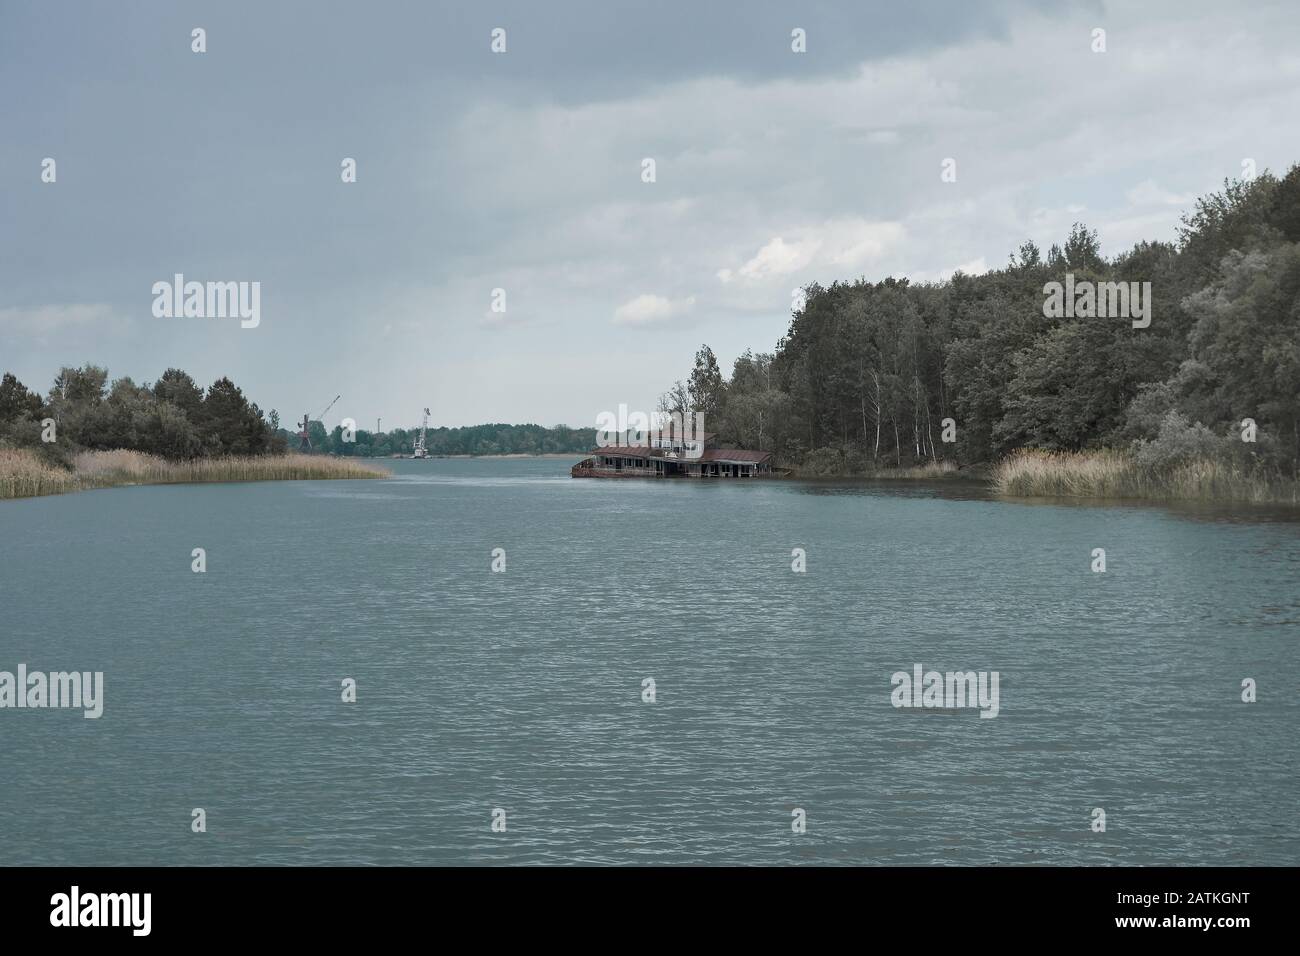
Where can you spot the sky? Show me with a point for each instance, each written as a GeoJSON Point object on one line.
{"type": "Point", "coordinates": [523, 171]}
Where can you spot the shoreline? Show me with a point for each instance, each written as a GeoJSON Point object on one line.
{"type": "Point", "coordinates": [24, 474]}
{"type": "Point", "coordinates": [1024, 475]}
{"type": "Point", "coordinates": [1119, 475]}
{"type": "Point", "coordinates": [1105, 474]}
{"type": "Point", "coordinates": [930, 471]}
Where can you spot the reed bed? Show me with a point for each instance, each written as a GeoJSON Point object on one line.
{"type": "Point", "coordinates": [925, 471]}
{"type": "Point", "coordinates": [1029, 473]}
{"type": "Point", "coordinates": [24, 474]}
{"type": "Point", "coordinates": [930, 469]}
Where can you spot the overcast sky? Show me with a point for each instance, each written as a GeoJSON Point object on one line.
{"type": "Point", "coordinates": [523, 171]}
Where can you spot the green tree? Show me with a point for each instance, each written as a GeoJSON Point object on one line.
{"type": "Point", "coordinates": [178, 388]}
{"type": "Point", "coordinates": [1285, 212]}
{"type": "Point", "coordinates": [229, 424]}
{"type": "Point", "coordinates": [705, 385]}
{"type": "Point", "coordinates": [16, 402]}
{"type": "Point", "coordinates": [79, 386]}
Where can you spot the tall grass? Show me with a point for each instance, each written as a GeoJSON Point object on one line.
{"type": "Point", "coordinates": [929, 469]}
{"type": "Point", "coordinates": [24, 474]}
{"type": "Point", "coordinates": [922, 472]}
{"type": "Point", "coordinates": [1029, 473]}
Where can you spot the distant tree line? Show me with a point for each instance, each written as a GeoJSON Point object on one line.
{"type": "Point", "coordinates": [496, 439]}
{"type": "Point", "coordinates": [174, 417]}
{"type": "Point", "coordinates": [868, 371]}
{"type": "Point", "coordinates": [177, 419]}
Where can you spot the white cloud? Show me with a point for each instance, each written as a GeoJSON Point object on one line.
{"type": "Point", "coordinates": [976, 267]}
{"type": "Point", "coordinates": [779, 258]}
{"type": "Point", "coordinates": [651, 309]}
{"type": "Point", "coordinates": [854, 244]}
{"type": "Point", "coordinates": [835, 246]}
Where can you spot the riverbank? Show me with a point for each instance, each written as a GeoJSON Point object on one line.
{"type": "Point", "coordinates": [23, 474]}
{"type": "Point", "coordinates": [1115, 474]}
{"type": "Point", "coordinates": [929, 471]}
{"type": "Point", "coordinates": [1102, 474]}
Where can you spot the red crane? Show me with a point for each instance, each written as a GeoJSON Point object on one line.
{"type": "Point", "coordinates": [304, 440]}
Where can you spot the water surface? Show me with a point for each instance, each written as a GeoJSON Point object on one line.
{"type": "Point", "coordinates": [522, 690]}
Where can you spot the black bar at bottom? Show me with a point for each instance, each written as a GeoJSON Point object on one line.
{"type": "Point", "coordinates": [213, 905]}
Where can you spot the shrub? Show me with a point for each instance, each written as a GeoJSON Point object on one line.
{"type": "Point", "coordinates": [823, 462]}
{"type": "Point", "coordinates": [1179, 442]}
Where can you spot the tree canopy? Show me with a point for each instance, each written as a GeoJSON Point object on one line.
{"type": "Point", "coordinates": [173, 417]}
{"type": "Point", "coordinates": [868, 371]}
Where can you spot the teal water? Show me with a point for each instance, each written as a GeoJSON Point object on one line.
{"type": "Point", "coordinates": [522, 690]}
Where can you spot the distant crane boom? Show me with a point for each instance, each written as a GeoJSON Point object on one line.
{"type": "Point", "coordinates": [421, 451]}
{"type": "Point", "coordinates": [304, 438]}
{"type": "Point", "coordinates": [321, 416]}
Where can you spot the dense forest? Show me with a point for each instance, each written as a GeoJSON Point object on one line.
{"type": "Point", "coordinates": [177, 419]}
{"type": "Point", "coordinates": [174, 417]}
{"type": "Point", "coordinates": [868, 371]}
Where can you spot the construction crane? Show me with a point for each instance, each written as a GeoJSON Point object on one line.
{"type": "Point", "coordinates": [420, 450]}
{"type": "Point", "coordinates": [304, 441]}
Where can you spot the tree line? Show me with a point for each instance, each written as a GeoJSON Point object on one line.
{"type": "Point", "coordinates": [496, 439]}
{"type": "Point", "coordinates": [173, 417]}
{"type": "Point", "coordinates": [868, 372]}
{"type": "Point", "coordinates": [177, 419]}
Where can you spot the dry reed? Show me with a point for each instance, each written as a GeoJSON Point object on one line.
{"type": "Point", "coordinates": [1029, 473]}
{"type": "Point", "coordinates": [23, 474]}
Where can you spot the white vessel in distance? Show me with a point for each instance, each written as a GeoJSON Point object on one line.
{"type": "Point", "coordinates": [420, 450]}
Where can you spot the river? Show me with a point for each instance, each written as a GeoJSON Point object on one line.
{"type": "Point", "coordinates": [525, 690]}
